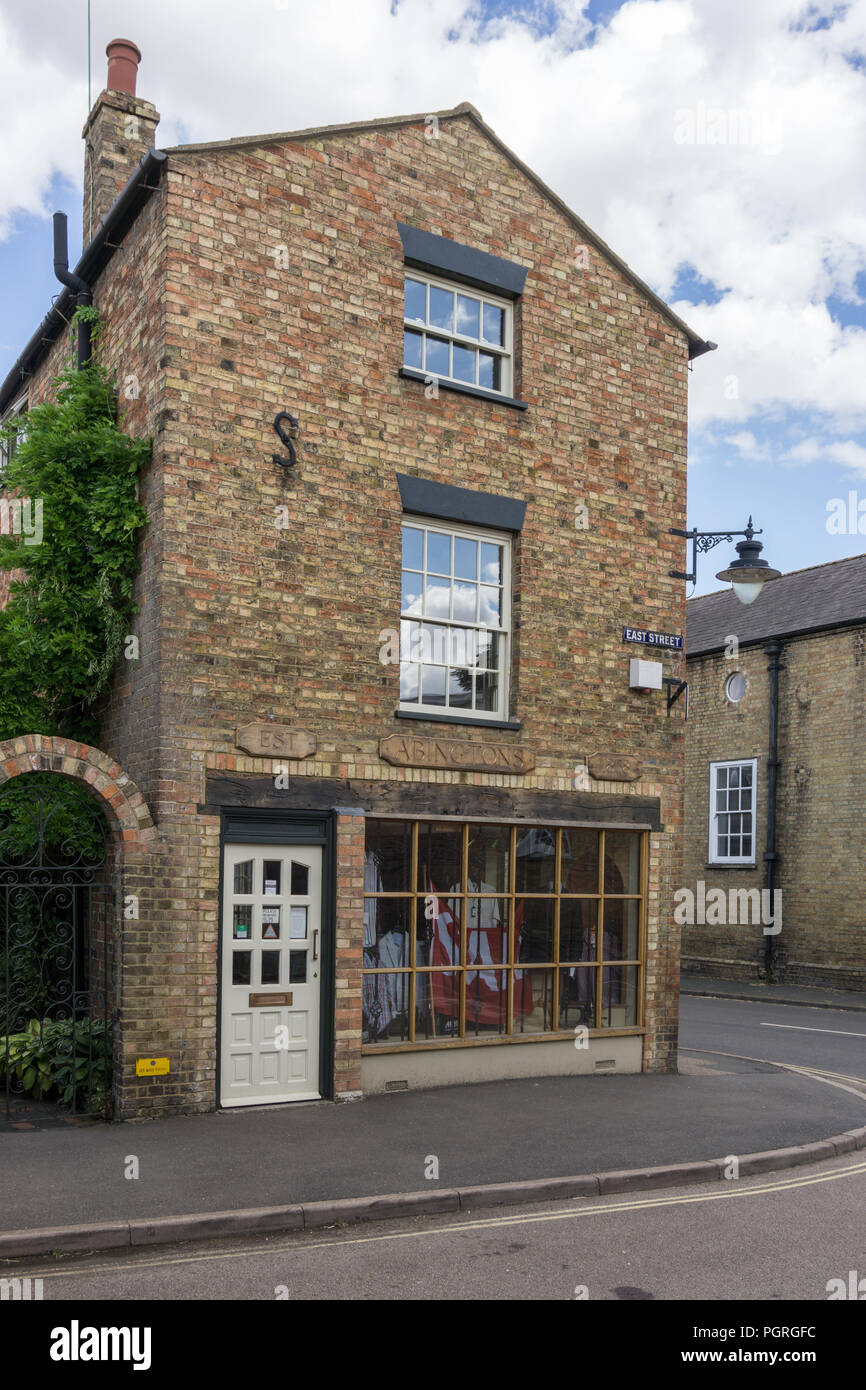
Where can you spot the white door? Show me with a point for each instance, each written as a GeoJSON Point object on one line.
{"type": "Point", "coordinates": [271, 948]}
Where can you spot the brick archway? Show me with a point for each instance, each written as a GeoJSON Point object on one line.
{"type": "Point", "coordinates": [121, 800]}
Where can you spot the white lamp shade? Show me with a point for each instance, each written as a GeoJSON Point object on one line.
{"type": "Point", "coordinates": [747, 593]}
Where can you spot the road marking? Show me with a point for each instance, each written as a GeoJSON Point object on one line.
{"type": "Point", "coordinates": [731, 1190]}
{"type": "Point", "coordinates": [796, 1028]}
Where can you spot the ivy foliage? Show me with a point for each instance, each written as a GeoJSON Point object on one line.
{"type": "Point", "coordinates": [68, 613]}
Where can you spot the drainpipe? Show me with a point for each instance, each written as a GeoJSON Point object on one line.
{"type": "Point", "coordinates": [84, 294]}
{"type": "Point", "coordinates": [773, 650]}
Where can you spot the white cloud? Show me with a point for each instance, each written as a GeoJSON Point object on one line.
{"type": "Point", "coordinates": [774, 217]}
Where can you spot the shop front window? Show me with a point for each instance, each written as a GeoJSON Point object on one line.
{"type": "Point", "coordinates": [475, 931]}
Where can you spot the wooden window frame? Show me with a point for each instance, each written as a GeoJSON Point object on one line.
{"type": "Point", "coordinates": [504, 351]}
{"type": "Point", "coordinates": [480, 534]}
{"type": "Point", "coordinates": [511, 896]}
{"type": "Point", "coordinates": [748, 860]}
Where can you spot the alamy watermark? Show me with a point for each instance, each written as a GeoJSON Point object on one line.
{"type": "Point", "coordinates": [714, 907]}
{"type": "Point", "coordinates": [21, 516]}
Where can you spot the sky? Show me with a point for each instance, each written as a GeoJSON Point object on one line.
{"type": "Point", "coordinates": [719, 146]}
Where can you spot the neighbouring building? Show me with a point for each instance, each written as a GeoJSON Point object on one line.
{"type": "Point", "coordinates": [391, 810]}
{"type": "Point", "coordinates": [776, 780]}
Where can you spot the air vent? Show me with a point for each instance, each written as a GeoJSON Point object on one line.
{"type": "Point", "coordinates": [605, 1064]}
{"type": "Point", "coordinates": [396, 1085]}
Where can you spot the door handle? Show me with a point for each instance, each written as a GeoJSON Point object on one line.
{"type": "Point", "coordinates": [316, 943]}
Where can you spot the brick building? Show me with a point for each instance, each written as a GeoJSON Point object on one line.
{"type": "Point", "coordinates": [402, 821]}
{"type": "Point", "coordinates": [807, 635]}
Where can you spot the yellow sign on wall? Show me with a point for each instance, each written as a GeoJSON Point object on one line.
{"type": "Point", "coordinates": [151, 1066]}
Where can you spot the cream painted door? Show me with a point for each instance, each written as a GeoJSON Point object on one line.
{"type": "Point", "coordinates": [271, 948]}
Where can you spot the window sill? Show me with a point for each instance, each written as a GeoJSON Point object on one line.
{"type": "Point", "coordinates": [513, 724]}
{"type": "Point", "coordinates": [724, 864]}
{"type": "Point", "coordinates": [462, 388]}
{"type": "Point", "coordinates": [499, 1040]}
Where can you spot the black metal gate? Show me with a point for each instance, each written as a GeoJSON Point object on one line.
{"type": "Point", "coordinates": [56, 948]}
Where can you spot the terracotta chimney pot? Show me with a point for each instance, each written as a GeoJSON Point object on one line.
{"type": "Point", "coordinates": [123, 60]}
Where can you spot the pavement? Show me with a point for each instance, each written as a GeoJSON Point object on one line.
{"type": "Point", "coordinates": [717, 988]}
{"type": "Point", "coordinates": [90, 1186]}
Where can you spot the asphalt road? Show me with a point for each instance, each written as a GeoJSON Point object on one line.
{"type": "Point", "coordinates": [776, 1237]}
{"type": "Point", "coordinates": [828, 1039]}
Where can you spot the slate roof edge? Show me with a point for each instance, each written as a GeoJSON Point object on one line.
{"type": "Point", "coordinates": [789, 635]}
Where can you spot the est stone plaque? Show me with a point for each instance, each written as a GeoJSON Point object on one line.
{"type": "Point", "coordinates": [613, 767]}
{"type": "Point", "coordinates": [454, 753]}
{"type": "Point", "coordinates": [275, 740]}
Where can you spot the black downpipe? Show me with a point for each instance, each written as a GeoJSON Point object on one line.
{"type": "Point", "coordinates": [83, 292]}
{"type": "Point", "coordinates": [773, 650]}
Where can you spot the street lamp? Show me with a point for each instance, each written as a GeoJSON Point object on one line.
{"type": "Point", "coordinates": [747, 574]}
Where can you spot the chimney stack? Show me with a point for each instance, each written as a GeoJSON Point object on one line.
{"type": "Point", "coordinates": [118, 132]}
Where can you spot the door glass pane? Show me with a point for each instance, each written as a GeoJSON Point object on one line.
{"type": "Point", "coordinates": [270, 967]}
{"type": "Point", "coordinates": [297, 967]}
{"type": "Point", "coordinates": [298, 923]}
{"type": "Point", "coordinates": [271, 877]}
{"type": "Point", "coordinates": [241, 966]}
{"type": "Point", "coordinates": [244, 877]}
{"type": "Point", "coordinates": [270, 924]}
{"type": "Point", "coordinates": [242, 921]}
{"type": "Point", "coordinates": [300, 880]}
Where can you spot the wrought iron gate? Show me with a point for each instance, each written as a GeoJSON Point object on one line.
{"type": "Point", "coordinates": [56, 947]}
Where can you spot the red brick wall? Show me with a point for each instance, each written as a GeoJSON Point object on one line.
{"type": "Point", "coordinates": [240, 620]}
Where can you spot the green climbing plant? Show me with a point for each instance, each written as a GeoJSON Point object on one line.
{"type": "Point", "coordinates": [69, 518]}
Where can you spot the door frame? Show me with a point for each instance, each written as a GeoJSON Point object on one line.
{"type": "Point", "coordinates": [247, 825]}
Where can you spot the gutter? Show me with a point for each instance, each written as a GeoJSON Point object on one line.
{"type": "Point", "coordinates": [774, 651]}
{"type": "Point", "coordinates": [94, 258]}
